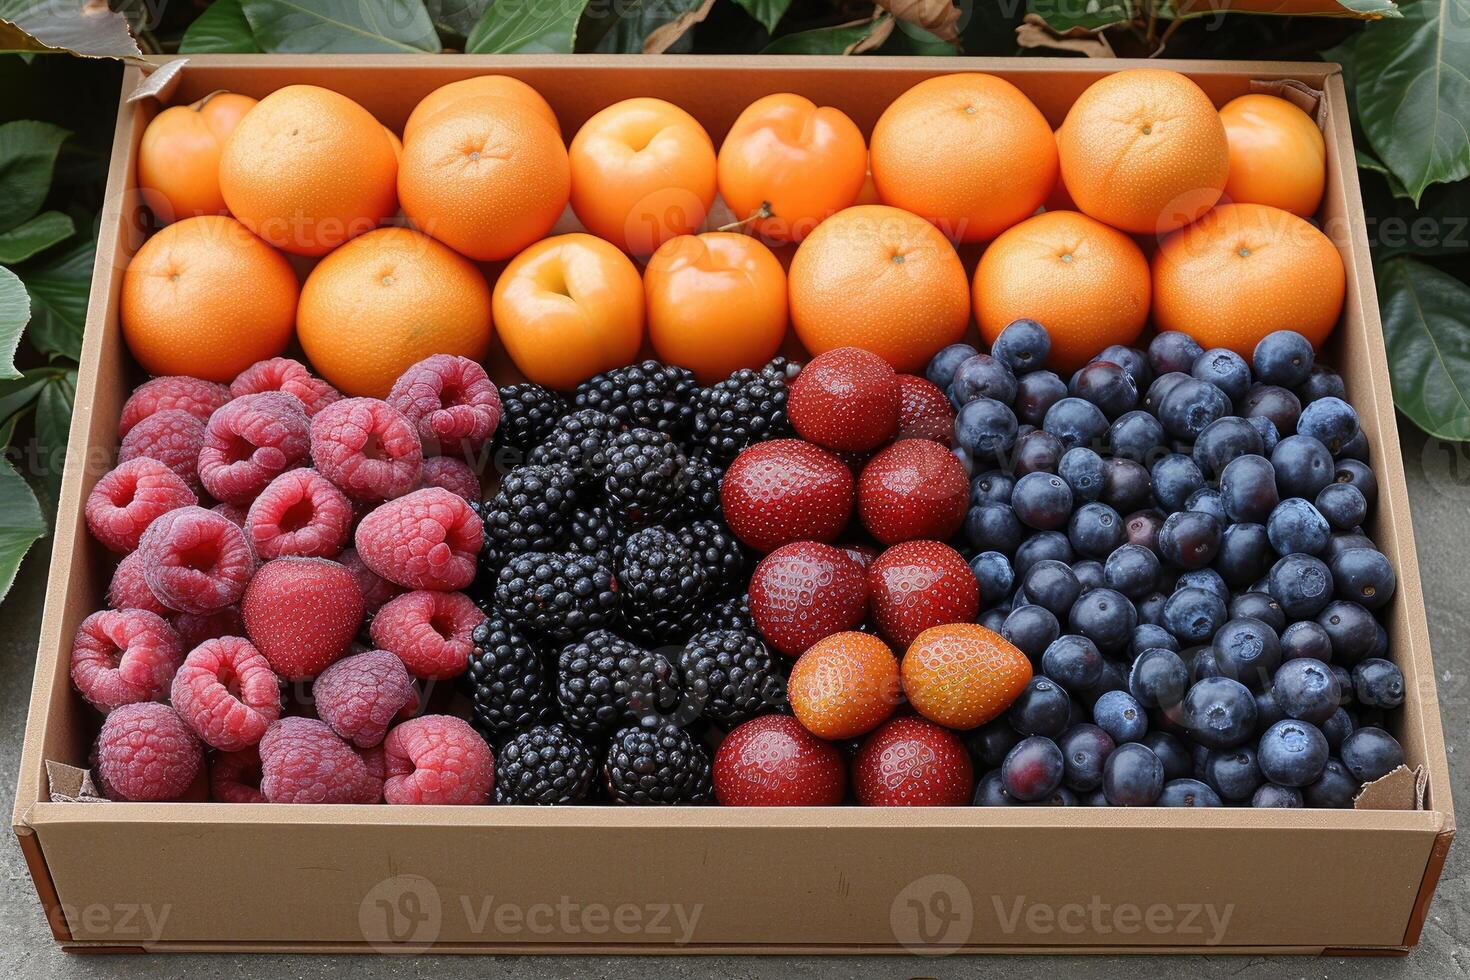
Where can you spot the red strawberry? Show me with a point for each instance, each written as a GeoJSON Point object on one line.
{"type": "Point", "coordinates": [912, 762]}
{"type": "Point", "coordinates": [913, 489]}
{"type": "Point", "coordinates": [803, 592]}
{"type": "Point", "coordinates": [773, 761]}
{"type": "Point", "coordinates": [918, 584]}
{"type": "Point", "coordinates": [847, 398]}
{"type": "Point", "coordinates": [924, 412]}
{"type": "Point", "coordinates": [786, 490]}
{"type": "Point", "coordinates": [302, 613]}
{"type": "Point", "coordinates": [863, 554]}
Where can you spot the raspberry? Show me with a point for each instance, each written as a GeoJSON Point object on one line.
{"type": "Point", "coordinates": [292, 377]}
{"type": "Point", "coordinates": [235, 515]}
{"type": "Point", "coordinates": [430, 631]}
{"type": "Point", "coordinates": [425, 540]}
{"type": "Point", "coordinates": [453, 475]}
{"type": "Point", "coordinates": [192, 395]}
{"type": "Point", "coordinates": [194, 629]}
{"type": "Point", "coordinates": [302, 613]}
{"type": "Point", "coordinates": [250, 442]}
{"type": "Point", "coordinates": [360, 696]}
{"type": "Point", "coordinates": [195, 560]}
{"type": "Point", "coordinates": [303, 761]}
{"type": "Point", "coordinates": [126, 500]}
{"type": "Point", "coordinates": [451, 401]}
{"type": "Point", "coordinates": [376, 590]}
{"type": "Point", "coordinates": [234, 777]}
{"type": "Point", "coordinates": [174, 438]}
{"type": "Point", "coordinates": [227, 692]}
{"type": "Point", "coordinates": [145, 752]}
{"type": "Point", "coordinates": [299, 513]}
{"type": "Point", "coordinates": [367, 448]}
{"type": "Point", "coordinates": [123, 657]}
{"type": "Point", "coordinates": [129, 590]}
{"type": "Point", "coordinates": [437, 759]}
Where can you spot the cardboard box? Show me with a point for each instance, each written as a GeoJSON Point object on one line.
{"type": "Point", "coordinates": [192, 876]}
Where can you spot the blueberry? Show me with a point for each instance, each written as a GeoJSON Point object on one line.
{"type": "Point", "coordinates": [1042, 708]}
{"type": "Point", "coordinates": [1130, 359]}
{"type": "Point", "coordinates": [1190, 406]}
{"type": "Point", "coordinates": [1189, 539]}
{"type": "Point", "coordinates": [1225, 369]}
{"type": "Point", "coordinates": [1282, 797]}
{"type": "Point", "coordinates": [1259, 605]}
{"type": "Point", "coordinates": [1040, 546]}
{"type": "Point", "coordinates": [1344, 678]}
{"type": "Point", "coordinates": [1023, 346]}
{"type": "Point", "coordinates": [1158, 678]}
{"type": "Point", "coordinates": [1204, 578]}
{"type": "Point", "coordinates": [1073, 662]}
{"type": "Point", "coordinates": [1147, 636]}
{"type": "Point", "coordinates": [1358, 474]}
{"type": "Point", "coordinates": [1133, 776]}
{"type": "Point", "coordinates": [1085, 749]}
{"type": "Point", "coordinates": [1378, 684]}
{"type": "Point", "coordinates": [1307, 690]}
{"type": "Point", "coordinates": [991, 791]}
{"type": "Point", "coordinates": [1089, 574]}
{"type": "Point", "coordinates": [1132, 570]}
{"type": "Point", "coordinates": [1136, 435]}
{"type": "Point", "coordinates": [1301, 584]}
{"type": "Point", "coordinates": [1268, 712]}
{"type": "Point", "coordinates": [1042, 501]}
{"type": "Point", "coordinates": [1120, 715]}
{"type": "Point", "coordinates": [1305, 640]}
{"type": "Point", "coordinates": [1219, 712]}
{"type": "Point", "coordinates": [1113, 678]}
{"type": "Point", "coordinates": [1193, 615]}
{"type": "Point", "coordinates": [1151, 608]}
{"type": "Point", "coordinates": [1208, 501]}
{"type": "Point", "coordinates": [1188, 793]}
{"type": "Point", "coordinates": [993, 527]}
{"type": "Point", "coordinates": [1153, 397]}
{"type": "Point", "coordinates": [1223, 440]}
{"type": "Point", "coordinates": [1036, 393]}
{"type": "Point", "coordinates": [1038, 451]}
{"type": "Point", "coordinates": [1173, 351]}
{"type": "Point", "coordinates": [1274, 403]}
{"type": "Point", "coordinates": [1337, 728]}
{"type": "Point", "coordinates": [1108, 386]}
{"type": "Point", "coordinates": [1248, 489]}
{"type": "Point", "coordinates": [982, 376]}
{"type": "Point", "coordinates": [1032, 629]}
{"type": "Point", "coordinates": [1076, 422]}
{"type": "Point", "coordinates": [1175, 477]}
{"type": "Point", "coordinates": [1371, 753]}
{"type": "Point", "coordinates": [1335, 789]}
{"type": "Point", "coordinates": [1267, 431]}
{"type": "Point", "coordinates": [1322, 382]}
{"type": "Point", "coordinates": [985, 429]}
{"type": "Point", "coordinates": [1283, 357]}
{"type": "Point", "coordinates": [1245, 554]}
{"type": "Point", "coordinates": [1303, 466]}
{"type": "Point", "coordinates": [992, 486]}
{"type": "Point", "coordinates": [990, 742]}
{"type": "Point", "coordinates": [1082, 469]}
{"type": "Point", "coordinates": [1126, 485]}
{"type": "Point", "coordinates": [1202, 663]}
{"type": "Point", "coordinates": [1351, 631]}
{"type": "Point", "coordinates": [1142, 528]}
{"type": "Point", "coordinates": [995, 619]}
{"type": "Point", "coordinates": [1295, 527]}
{"type": "Point", "coordinates": [1248, 651]}
{"type": "Point", "coordinates": [1331, 421]}
{"type": "Point", "coordinates": [1106, 618]}
{"type": "Point", "coordinates": [1033, 769]}
{"type": "Point", "coordinates": [1061, 796]}
{"type": "Point", "coordinates": [1364, 576]}
{"type": "Point", "coordinates": [995, 575]}
{"type": "Point", "coordinates": [1292, 753]}
{"type": "Point", "coordinates": [943, 365]}
{"type": "Point", "coordinates": [1171, 753]}
{"type": "Point", "coordinates": [1233, 772]}
{"type": "Point", "coordinates": [1095, 530]}
{"type": "Point", "coordinates": [1355, 448]}
{"type": "Point", "coordinates": [1343, 505]}
{"type": "Point", "coordinates": [1052, 585]}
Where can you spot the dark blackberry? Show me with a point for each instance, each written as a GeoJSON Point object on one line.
{"type": "Point", "coordinates": [557, 596]}
{"type": "Point", "coordinates": [731, 614]}
{"type": "Point", "coordinates": [649, 395]}
{"type": "Point", "coordinates": [529, 512]}
{"type": "Point", "coordinates": [528, 414]}
{"type": "Point", "coordinates": [544, 766]}
{"type": "Point", "coordinates": [645, 476]}
{"type": "Point", "coordinates": [508, 681]}
{"type": "Point", "coordinates": [606, 681]}
{"type": "Point", "coordinates": [718, 552]}
{"type": "Point", "coordinates": [594, 531]}
{"type": "Point", "coordinates": [747, 407]}
{"type": "Point", "coordinates": [663, 586]}
{"type": "Point", "coordinates": [579, 441]}
{"type": "Point", "coordinates": [662, 766]}
{"type": "Point", "coordinates": [735, 673]}
{"type": "Point", "coordinates": [701, 487]}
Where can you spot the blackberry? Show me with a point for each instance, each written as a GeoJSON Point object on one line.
{"type": "Point", "coordinates": [731, 614]}
{"type": "Point", "coordinates": [663, 585]}
{"type": "Point", "coordinates": [557, 596]}
{"type": "Point", "coordinates": [508, 681]}
{"type": "Point", "coordinates": [544, 766]}
{"type": "Point", "coordinates": [649, 395]}
{"type": "Point", "coordinates": [701, 487]}
{"type": "Point", "coordinates": [606, 681]}
{"type": "Point", "coordinates": [662, 766]}
{"type": "Point", "coordinates": [528, 414]}
{"type": "Point", "coordinates": [718, 552]}
{"type": "Point", "coordinates": [579, 441]}
{"type": "Point", "coordinates": [593, 531]}
{"type": "Point", "coordinates": [735, 672]}
{"type": "Point", "coordinates": [747, 407]}
{"type": "Point", "coordinates": [645, 475]}
{"type": "Point", "coordinates": [529, 512]}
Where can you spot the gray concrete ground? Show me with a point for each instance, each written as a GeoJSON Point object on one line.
{"type": "Point", "coordinates": [1440, 486]}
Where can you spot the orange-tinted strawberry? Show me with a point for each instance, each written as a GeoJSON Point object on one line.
{"type": "Point", "coordinates": [918, 584]}
{"type": "Point", "coordinates": [773, 761]}
{"type": "Point", "coordinates": [913, 489]}
{"type": "Point", "coordinates": [844, 686]}
{"type": "Point", "coordinates": [924, 412]}
{"type": "Point", "coordinates": [804, 591]}
{"type": "Point", "coordinates": [847, 398]}
{"type": "Point", "coordinates": [912, 762]}
{"type": "Point", "coordinates": [963, 675]}
{"type": "Point", "coordinates": [786, 490]}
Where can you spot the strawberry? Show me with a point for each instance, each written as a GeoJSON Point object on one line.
{"type": "Point", "coordinates": [912, 762]}
{"type": "Point", "coordinates": [919, 584]}
{"type": "Point", "coordinates": [924, 412]}
{"type": "Point", "coordinates": [805, 591]}
{"type": "Point", "coordinates": [863, 554]}
{"type": "Point", "coordinates": [913, 489]}
{"type": "Point", "coordinates": [773, 761]}
{"type": "Point", "coordinates": [847, 398]}
{"type": "Point", "coordinates": [786, 490]}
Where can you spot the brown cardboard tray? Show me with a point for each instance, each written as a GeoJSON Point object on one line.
{"type": "Point", "coordinates": [195, 876]}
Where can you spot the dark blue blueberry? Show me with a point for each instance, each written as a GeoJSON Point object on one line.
{"type": "Point", "coordinates": [1351, 631]}
{"type": "Point", "coordinates": [1175, 477]}
{"type": "Point", "coordinates": [1073, 662]}
{"type": "Point", "coordinates": [1159, 387]}
{"type": "Point", "coordinates": [1040, 546]}
{"type": "Point", "coordinates": [1132, 570]}
{"type": "Point", "coordinates": [1343, 505]}
{"type": "Point", "coordinates": [1106, 618]}
{"type": "Point", "coordinates": [1146, 636]}
{"type": "Point", "coordinates": [1337, 728]}
{"type": "Point", "coordinates": [1274, 403]}
{"type": "Point", "coordinates": [995, 575]}
{"type": "Point", "coordinates": [1031, 629]}
{"type": "Point", "coordinates": [1223, 440]}
{"type": "Point", "coordinates": [1233, 772]}
{"type": "Point", "coordinates": [990, 742]}
{"type": "Point", "coordinates": [982, 376]}
{"type": "Point", "coordinates": [1130, 359]}
{"type": "Point", "coordinates": [1042, 501]}
{"type": "Point", "coordinates": [1355, 448]}
{"type": "Point", "coordinates": [1193, 615]}
{"type": "Point", "coordinates": [1301, 584]}
{"type": "Point", "coordinates": [1036, 393]}
{"type": "Point", "coordinates": [1364, 576]}
{"type": "Point", "coordinates": [1248, 489]}
{"type": "Point", "coordinates": [1267, 431]}
{"type": "Point", "coordinates": [993, 527]}
{"type": "Point", "coordinates": [1219, 712]}
{"type": "Point", "coordinates": [1061, 796]}
{"type": "Point", "coordinates": [1172, 753]}
{"type": "Point", "coordinates": [1142, 528]}
{"type": "Point", "coordinates": [1158, 678]}
{"type": "Point", "coordinates": [1042, 708]}
{"type": "Point", "coordinates": [1378, 683]}
{"type": "Point", "coordinates": [1126, 485]}
{"type": "Point", "coordinates": [1136, 435]}
{"type": "Point", "coordinates": [1295, 527]}
{"type": "Point", "coordinates": [1023, 346]}
{"type": "Point", "coordinates": [1303, 466]}
{"type": "Point", "coordinates": [1259, 605]}
{"type": "Point", "coordinates": [1201, 663]}
{"type": "Point", "coordinates": [1335, 789]}
{"type": "Point", "coordinates": [1204, 578]}
{"type": "Point", "coordinates": [995, 619]}
{"type": "Point", "coordinates": [1083, 470]}
{"type": "Point", "coordinates": [1268, 712]}
{"type": "Point", "coordinates": [1371, 753]}
{"type": "Point", "coordinates": [1151, 608]}
{"type": "Point", "coordinates": [991, 791]}
{"type": "Point", "coordinates": [1173, 351]}
{"type": "Point", "coordinates": [1038, 451]}
{"type": "Point", "coordinates": [1226, 370]}
{"type": "Point", "coordinates": [1120, 715]}
{"type": "Point", "coordinates": [1053, 585]}
{"type": "Point", "coordinates": [1292, 753]}
{"type": "Point", "coordinates": [1190, 406]}
{"type": "Point", "coordinates": [1133, 776]}
{"type": "Point", "coordinates": [1208, 501]}
{"type": "Point", "coordinates": [1322, 382]}
{"type": "Point", "coordinates": [1283, 357]}
{"type": "Point", "coordinates": [1095, 530]}
{"type": "Point", "coordinates": [1307, 690]}
{"type": "Point", "coordinates": [1331, 421]}
{"type": "Point", "coordinates": [1245, 554]}
{"type": "Point", "coordinates": [1280, 797]}
{"type": "Point", "coordinates": [1085, 749]}
{"type": "Point", "coordinates": [992, 486]}
{"type": "Point", "coordinates": [943, 365]}
{"type": "Point", "coordinates": [1248, 651]}
{"type": "Point", "coordinates": [1189, 539]}
{"type": "Point", "coordinates": [1346, 541]}
{"type": "Point", "coordinates": [1089, 574]}
{"type": "Point", "coordinates": [1346, 694]}
{"type": "Point", "coordinates": [1106, 385]}
{"type": "Point", "coordinates": [985, 429]}
{"type": "Point", "coordinates": [1033, 769]}
{"type": "Point", "coordinates": [1188, 793]}
{"type": "Point", "coordinates": [1076, 422]}
{"type": "Point", "coordinates": [1114, 678]}
{"type": "Point", "coordinates": [1358, 474]}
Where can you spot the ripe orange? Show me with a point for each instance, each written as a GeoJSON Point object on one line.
{"type": "Point", "coordinates": [385, 301]}
{"type": "Point", "coordinates": [844, 686]}
{"type": "Point", "coordinates": [496, 86]}
{"type": "Point", "coordinates": [1144, 151]}
{"type": "Point", "coordinates": [396, 143]}
{"type": "Point", "coordinates": [1088, 284]}
{"type": "Point", "coordinates": [307, 169]}
{"type": "Point", "coordinates": [1277, 156]}
{"type": "Point", "coordinates": [178, 159]}
{"type": "Point", "coordinates": [1244, 270]}
{"type": "Point", "coordinates": [882, 279]}
{"type": "Point", "coordinates": [716, 303]}
{"type": "Point", "coordinates": [968, 152]}
{"type": "Point", "coordinates": [787, 159]}
{"type": "Point", "coordinates": [485, 176]}
{"type": "Point", "coordinates": [207, 298]}
{"type": "Point", "coordinates": [569, 307]}
{"type": "Point", "coordinates": [1059, 199]}
{"type": "Point", "coordinates": [643, 171]}
{"type": "Point", "coordinates": [963, 675]}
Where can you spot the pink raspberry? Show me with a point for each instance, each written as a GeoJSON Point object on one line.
{"type": "Point", "coordinates": [292, 377]}
{"type": "Point", "coordinates": [451, 474]}
{"type": "Point", "coordinates": [126, 500]}
{"type": "Point", "coordinates": [234, 777]}
{"type": "Point", "coordinates": [367, 448]}
{"type": "Point", "coordinates": [146, 753]}
{"type": "Point", "coordinates": [250, 441]}
{"type": "Point", "coordinates": [300, 513]}
{"type": "Point", "coordinates": [129, 590]}
{"type": "Point", "coordinates": [451, 401]}
{"type": "Point", "coordinates": [429, 631]}
{"type": "Point", "coordinates": [174, 438]}
{"type": "Point", "coordinates": [437, 759]}
{"type": "Point", "coordinates": [302, 613]}
{"type": "Point", "coordinates": [195, 628]}
{"type": "Point", "coordinates": [303, 761]}
{"type": "Point", "coordinates": [125, 656]}
{"type": "Point", "coordinates": [197, 397]}
{"type": "Point", "coordinates": [227, 692]}
{"type": "Point", "coordinates": [196, 561]}
{"type": "Point", "coordinates": [425, 540]}
{"type": "Point", "coordinates": [360, 696]}
{"type": "Point", "coordinates": [235, 514]}
{"type": "Point", "coordinates": [376, 590]}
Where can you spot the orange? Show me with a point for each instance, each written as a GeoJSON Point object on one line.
{"type": "Point", "coordinates": [385, 301]}
{"type": "Point", "coordinates": [496, 86]}
{"type": "Point", "coordinates": [643, 171]}
{"type": "Point", "coordinates": [1244, 270]}
{"type": "Point", "coordinates": [844, 686]}
{"type": "Point", "coordinates": [569, 307]}
{"type": "Point", "coordinates": [396, 143]}
{"type": "Point", "coordinates": [178, 159]}
{"type": "Point", "coordinates": [307, 169]}
{"type": "Point", "coordinates": [790, 164]}
{"type": "Point", "coordinates": [967, 151]}
{"type": "Point", "coordinates": [716, 303]}
{"type": "Point", "coordinates": [867, 194]}
{"type": "Point", "coordinates": [1277, 155]}
{"type": "Point", "coordinates": [1088, 284]}
{"type": "Point", "coordinates": [1059, 199]}
{"type": "Point", "coordinates": [1144, 151]}
{"type": "Point", "coordinates": [963, 675]}
{"type": "Point", "coordinates": [881, 279]}
{"type": "Point", "coordinates": [485, 176]}
{"type": "Point", "coordinates": [207, 298]}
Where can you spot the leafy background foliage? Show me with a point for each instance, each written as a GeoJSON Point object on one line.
{"type": "Point", "coordinates": [1406, 63]}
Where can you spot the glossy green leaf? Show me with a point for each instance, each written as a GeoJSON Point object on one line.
{"type": "Point", "coordinates": [27, 158]}
{"type": "Point", "coordinates": [456, 18]}
{"type": "Point", "coordinates": [826, 40]}
{"type": "Point", "coordinates": [527, 27]}
{"type": "Point", "coordinates": [1088, 15]}
{"type": "Point", "coordinates": [767, 12]}
{"type": "Point", "coordinates": [633, 21]}
{"type": "Point", "coordinates": [36, 235]}
{"type": "Point", "coordinates": [15, 311]}
{"type": "Point", "coordinates": [1426, 329]}
{"type": "Point", "coordinates": [59, 287]}
{"type": "Point", "coordinates": [221, 29]}
{"type": "Point", "coordinates": [361, 26]}
{"type": "Point", "coordinates": [21, 523]}
{"type": "Point", "coordinates": [53, 422]}
{"type": "Point", "coordinates": [16, 394]}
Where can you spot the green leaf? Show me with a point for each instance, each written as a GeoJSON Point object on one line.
{"type": "Point", "coordinates": [767, 12]}
{"type": "Point", "coordinates": [357, 26]}
{"type": "Point", "coordinates": [456, 18]}
{"type": "Point", "coordinates": [1087, 15]}
{"type": "Point", "coordinates": [528, 27]}
{"type": "Point", "coordinates": [59, 287]}
{"type": "Point", "coordinates": [221, 29]}
{"type": "Point", "coordinates": [1367, 161]}
{"type": "Point", "coordinates": [1426, 328]}
{"type": "Point", "coordinates": [21, 523]}
{"type": "Point", "coordinates": [826, 40]}
{"type": "Point", "coordinates": [1413, 90]}
{"type": "Point", "coordinates": [15, 311]}
{"type": "Point", "coordinates": [89, 29]}
{"type": "Point", "coordinates": [7, 430]}
{"type": "Point", "coordinates": [27, 157]}
{"type": "Point", "coordinates": [36, 235]}
{"type": "Point", "coordinates": [16, 394]}
{"type": "Point", "coordinates": [53, 422]}
{"type": "Point", "coordinates": [634, 20]}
